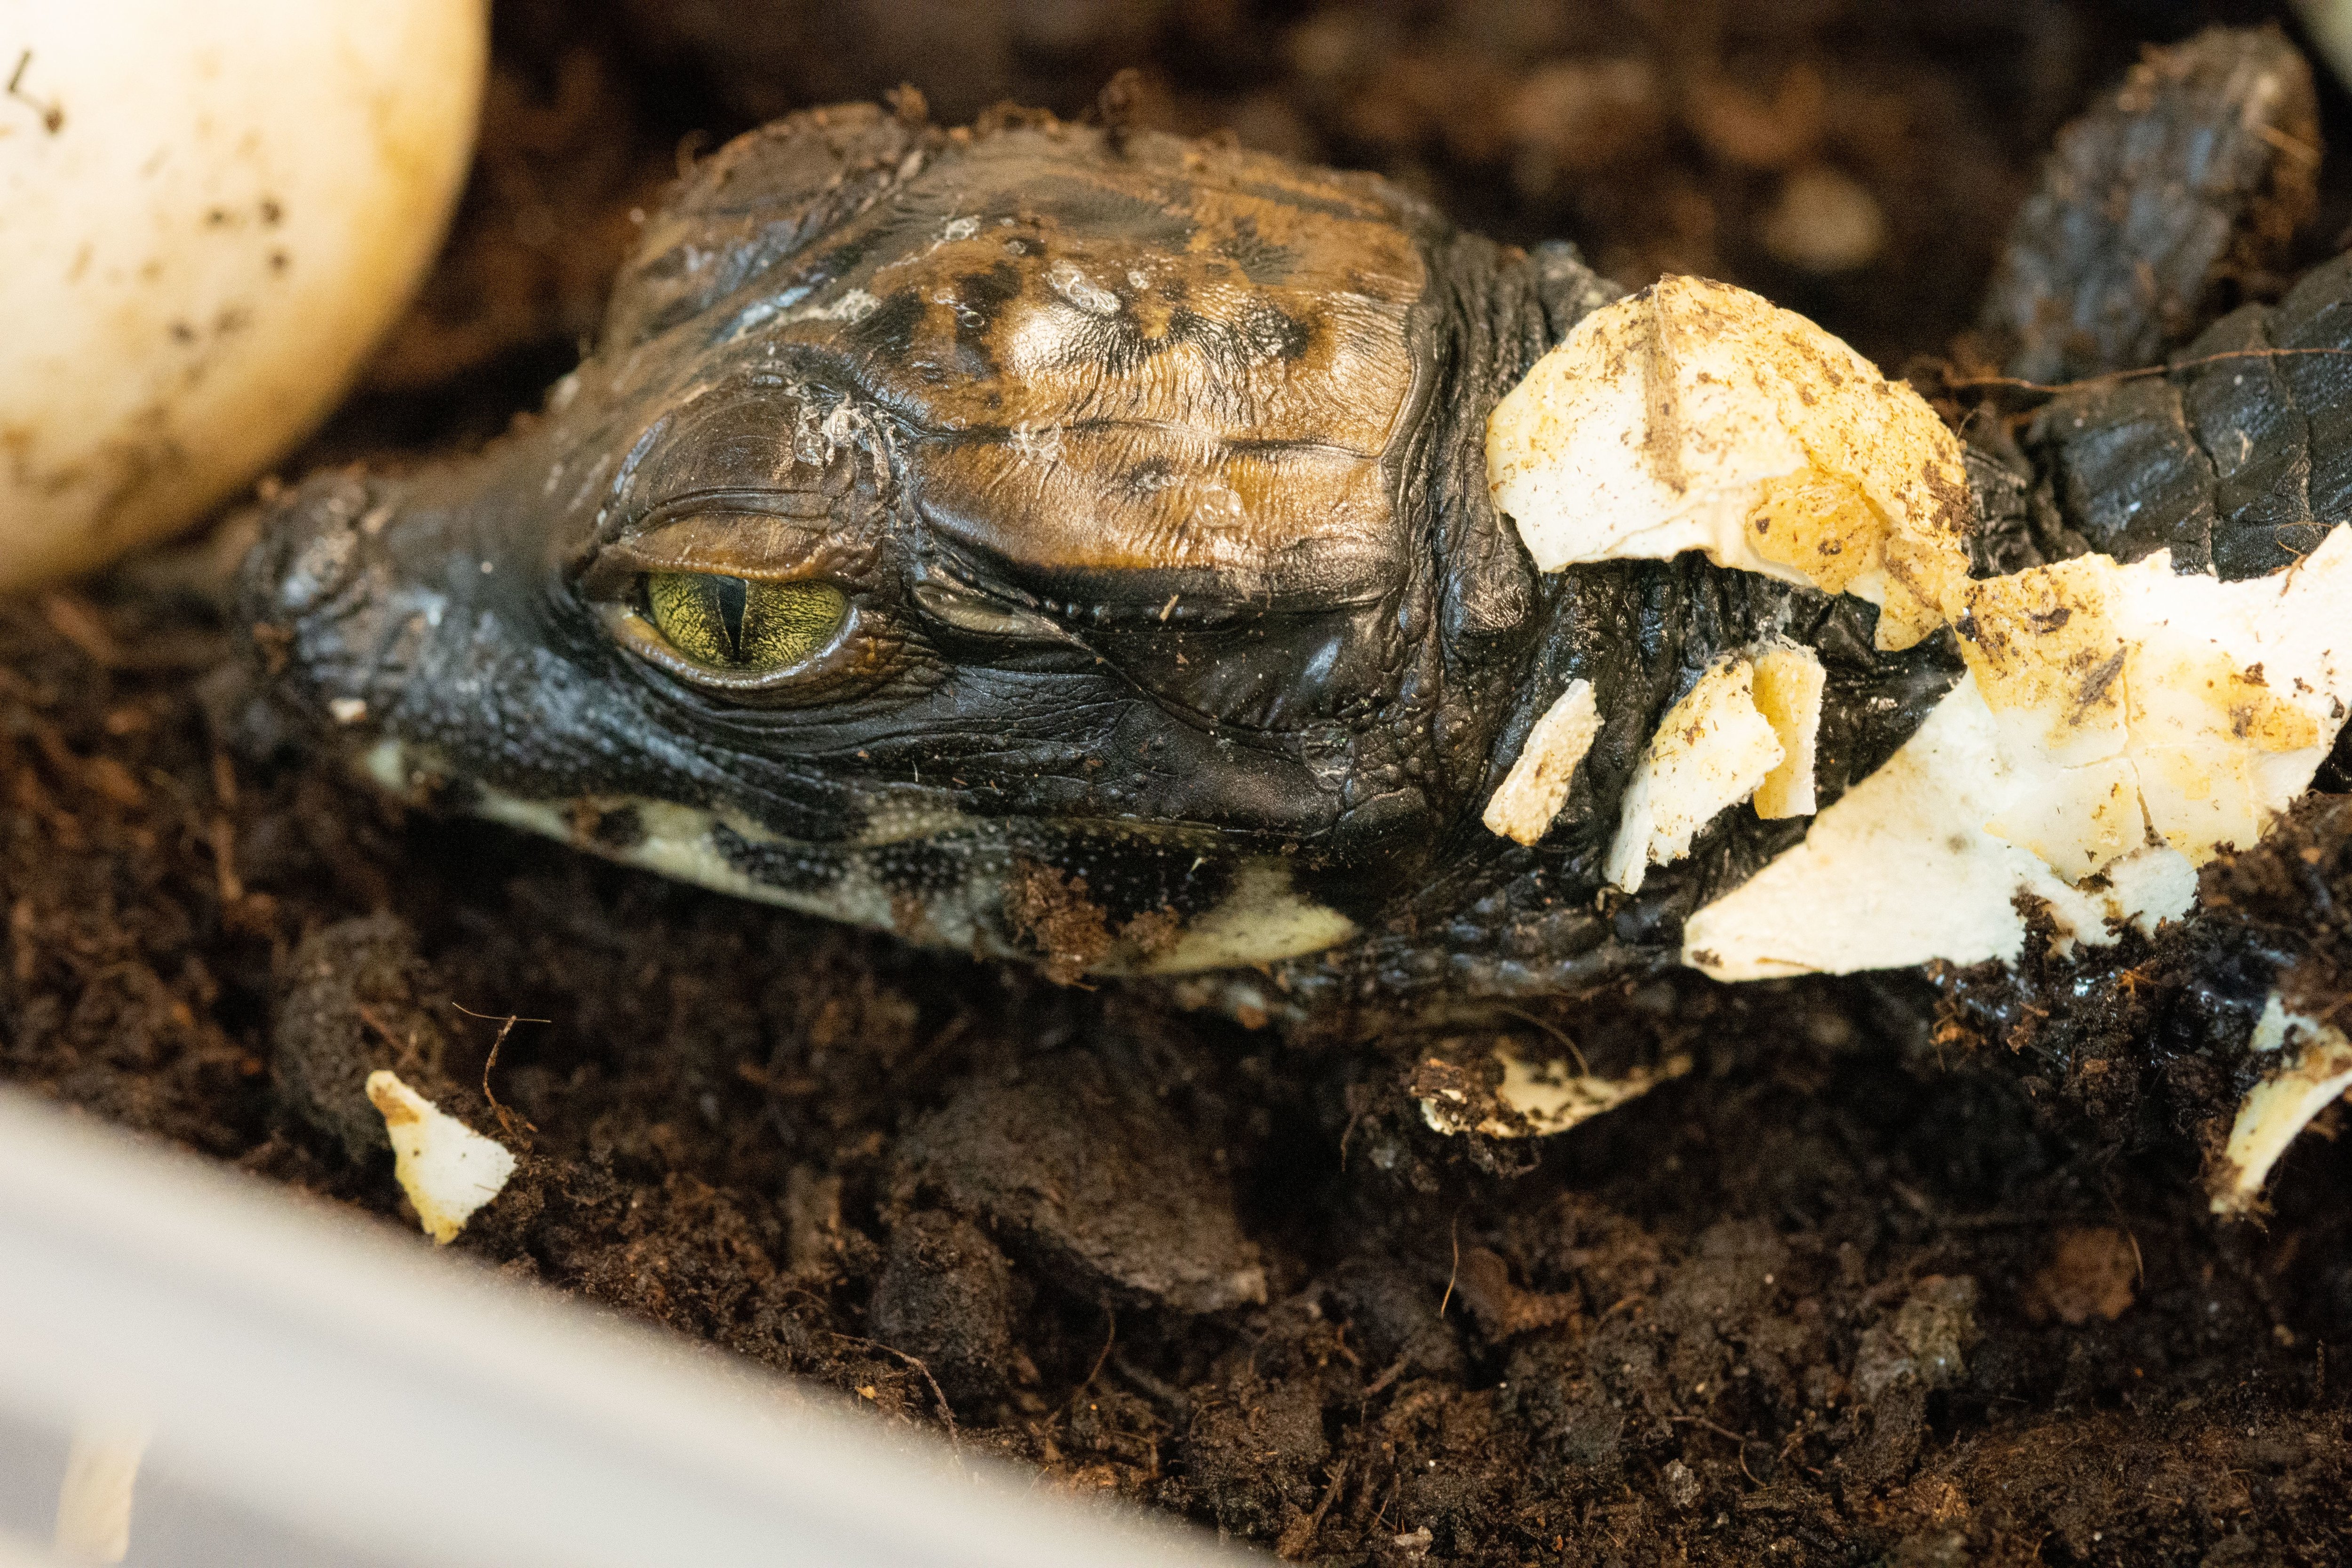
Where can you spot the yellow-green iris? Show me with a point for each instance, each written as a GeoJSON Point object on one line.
{"type": "Point", "coordinates": [735, 623]}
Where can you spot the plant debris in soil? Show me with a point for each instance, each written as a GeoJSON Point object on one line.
{"type": "Point", "coordinates": [1902, 1271]}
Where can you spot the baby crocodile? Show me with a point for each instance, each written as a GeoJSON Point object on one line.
{"type": "Point", "coordinates": [1077, 543]}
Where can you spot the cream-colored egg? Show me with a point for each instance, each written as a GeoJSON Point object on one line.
{"type": "Point", "coordinates": [209, 214]}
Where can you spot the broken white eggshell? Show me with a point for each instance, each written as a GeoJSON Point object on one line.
{"type": "Point", "coordinates": [2118, 726]}
{"type": "Point", "coordinates": [1901, 869]}
{"type": "Point", "coordinates": [448, 1169]}
{"type": "Point", "coordinates": [101, 1479]}
{"type": "Point", "coordinates": [1532, 793]}
{"type": "Point", "coordinates": [211, 214]}
{"type": "Point", "coordinates": [2314, 1069]}
{"type": "Point", "coordinates": [1789, 681]}
{"type": "Point", "coordinates": [1551, 1095]}
{"type": "Point", "coordinates": [1747, 728]}
{"type": "Point", "coordinates": [2164, 716]}
{"type": "Point", "coordinates": [1712, 748]}
{"type": "Point", "coordinates": [1694, 415]}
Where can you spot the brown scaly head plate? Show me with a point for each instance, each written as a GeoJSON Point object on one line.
{"type": "Point", "coordinates": [1158, 356]}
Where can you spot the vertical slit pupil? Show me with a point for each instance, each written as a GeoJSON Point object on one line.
{"type": "Point", "coordinates": [744, 623]}
{"type": "Point", "coordinates": [734, 593]}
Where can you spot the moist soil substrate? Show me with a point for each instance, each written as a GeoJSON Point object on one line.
{"type": "Point", "coordinates": [1913, 1268]}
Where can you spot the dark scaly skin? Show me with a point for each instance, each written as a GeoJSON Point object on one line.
{"type": "Point", "coordinates": [1326, 671]}
{"type": "Point", "coordinates": [2180, 190]}
{"type": "Point", "coordinates": [2238, 461]}
{"type": "Point", "coordinates": [2182, 187]}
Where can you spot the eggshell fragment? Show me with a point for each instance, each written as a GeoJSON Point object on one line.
{"type": "Point", "coordinates": [1711, 750]}
{"type": "Point", "coordinates": [1532, 793]}
{"type": "Point", "coordinates": [1789, 681]}
{"type": "Point", "coordinates": [2314, 1067]}
{"type": "Point", "coordinates": [1548, 1095]}
{"type": "Point", "coordinates": [2045, 649]}
{"type": "Point", "coordinates": [94, 1499]}
{"type": "Point", "coordinates": [448, 1169]}
{"type": "Point", "coordinates": [1695, 416]}
{"type": "Point", "coordinates": [2236, 691]}
{"type": "Point", "coordinates": [2120, 725]}
{"type": "Point", "coordinates": [1901, 869]}
{"type": "Point", "coordinates": [2105, 705]}
{"type": "Point", "coordinates": [211, 214]}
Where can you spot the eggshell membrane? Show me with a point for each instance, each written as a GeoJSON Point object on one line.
{"type": "Point", "coordinates": [1790, 682]}
{"type": "Point", "coordinates": [211, 214]}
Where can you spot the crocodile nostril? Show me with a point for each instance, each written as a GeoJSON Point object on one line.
{"type": "Point", "coordinates": [322, 565]}
{"type": "Point", "coordinates": [318, 536]}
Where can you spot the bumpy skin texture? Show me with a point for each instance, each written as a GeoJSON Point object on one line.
{"type": "Point", "coordinates": [2238, 460]}
{"type": "Point", "coordinates": [1154, 472]}
{"type": "Point", "coordinates": [2188, 181]}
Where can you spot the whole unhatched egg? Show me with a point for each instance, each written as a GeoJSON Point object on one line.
{"type": "Point", "coordinates": [209, 214]}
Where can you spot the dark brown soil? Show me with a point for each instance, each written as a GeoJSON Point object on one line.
{"type": "Point", "coordinates": [1903, 1272]}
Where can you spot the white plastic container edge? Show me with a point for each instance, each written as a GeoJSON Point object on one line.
{"type": "Point", "coordinates": [309, 1369]}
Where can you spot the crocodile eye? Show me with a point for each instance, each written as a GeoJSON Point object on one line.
{"type": "Point", "coordinates": [745, 624]}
